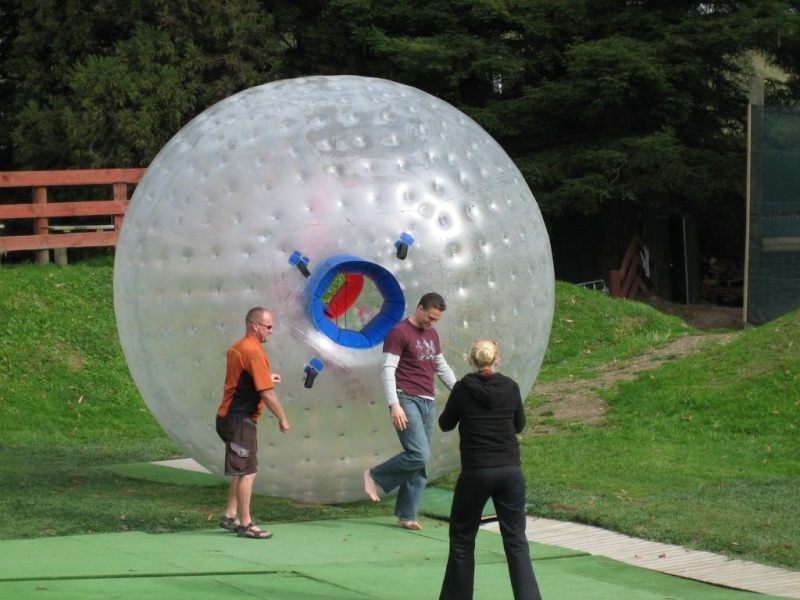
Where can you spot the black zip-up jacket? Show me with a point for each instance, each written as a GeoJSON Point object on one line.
{"type": "Point", "coordinates": [487, 407]}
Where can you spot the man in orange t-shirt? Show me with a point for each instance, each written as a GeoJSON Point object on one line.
{"type": "Point", "coordinates": [249, 387]}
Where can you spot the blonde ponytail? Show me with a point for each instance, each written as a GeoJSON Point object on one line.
{"type": "Point", "coordinates": [483, 354]}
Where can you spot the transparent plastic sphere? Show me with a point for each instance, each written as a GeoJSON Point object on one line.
{"type": "Point", "coordinates": [277, 196]}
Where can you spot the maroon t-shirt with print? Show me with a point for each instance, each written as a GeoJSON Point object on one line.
{"type": "Point", "coordinates": [417, 349]}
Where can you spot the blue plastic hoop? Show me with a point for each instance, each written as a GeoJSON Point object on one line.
{"type": "Point", "coordinates": [372, 334]}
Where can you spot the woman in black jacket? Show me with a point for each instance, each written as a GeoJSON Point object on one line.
{"type": "Point", "coordinates": [487, 407]}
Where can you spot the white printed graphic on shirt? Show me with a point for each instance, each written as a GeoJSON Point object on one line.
{"type": "Point", "coordinates": [426, 350]}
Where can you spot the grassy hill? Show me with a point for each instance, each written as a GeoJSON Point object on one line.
{"type": "Point", "coordinates": [700, 450]}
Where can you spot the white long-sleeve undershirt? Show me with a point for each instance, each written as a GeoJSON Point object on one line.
{"type": "Point", "coordinates": [388, 369]}
{"type": "Point", "coordinates": [389, 380]}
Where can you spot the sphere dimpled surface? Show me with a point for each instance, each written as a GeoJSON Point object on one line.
{"type": "Point", "coordinates": [323, 166]}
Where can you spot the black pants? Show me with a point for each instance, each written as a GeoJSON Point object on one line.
{"type": "Point", "coordinates": [506, 487]}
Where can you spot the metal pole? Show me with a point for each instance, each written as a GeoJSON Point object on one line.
{"type": "Point", "coordinates": [756, 99]}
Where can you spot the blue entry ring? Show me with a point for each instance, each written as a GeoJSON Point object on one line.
{"type": "Point", "coordinates": [372, 334]}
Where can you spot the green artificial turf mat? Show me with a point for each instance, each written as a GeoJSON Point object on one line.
{"type": "Point", "coordinates": [436, 503]}
{"type": "Point", "coordinates": [335, 559]}
{"type": "Point", "coordinates": [278, 586]}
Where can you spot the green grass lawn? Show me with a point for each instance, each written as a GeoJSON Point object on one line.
{"type": "Point", "coordinates": [702, 451]}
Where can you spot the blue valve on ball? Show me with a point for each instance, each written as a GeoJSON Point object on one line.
{"type": "Point", "coordinates": [300, 261]}
{"type": "Point", "coordinates": [406, 239]}
{"type": "Point", "coordinates": [312, 369]}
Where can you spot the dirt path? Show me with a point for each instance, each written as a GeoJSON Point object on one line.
{"type": "Point", "coordinates": [579, 400]}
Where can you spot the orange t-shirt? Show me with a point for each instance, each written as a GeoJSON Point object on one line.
{"type": "Point", "coordinates": [248, 374]}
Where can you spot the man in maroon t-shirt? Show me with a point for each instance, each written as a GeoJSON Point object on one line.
{"type": "Point", "coordinates": [412, 356]}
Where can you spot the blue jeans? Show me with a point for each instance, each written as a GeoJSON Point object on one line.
{"type": "Point", "coordinates": [407, 469]}
{"type": "Point", "coordinates": [506, 487]}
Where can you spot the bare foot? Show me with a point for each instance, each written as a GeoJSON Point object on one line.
{"type": "Point", "coordinates": [409, 525]}
{"type": "Point", "coordinates": [370, 487]}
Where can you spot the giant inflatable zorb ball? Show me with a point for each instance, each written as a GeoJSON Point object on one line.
{"type": "Point", "coordinates": [335, 203]}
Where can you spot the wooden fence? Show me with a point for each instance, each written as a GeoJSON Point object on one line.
{"type": "Point", "coordinates": [75, 233]}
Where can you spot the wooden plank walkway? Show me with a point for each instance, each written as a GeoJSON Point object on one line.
{"type": "Point", "coordinates": [665, 558]}
{"type": "Point", "coordinates": [187, 464]}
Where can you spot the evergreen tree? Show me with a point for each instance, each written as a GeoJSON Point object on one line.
{"type": "Point", "coordinates": [607, 107]}
{"type": "Point", "coordinates": [102, 84]}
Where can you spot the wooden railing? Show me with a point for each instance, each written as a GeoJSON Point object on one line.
{"type": "Point", "coordinates": [43, 236]}
{"type": "Point", "coordinates": [626, 281]}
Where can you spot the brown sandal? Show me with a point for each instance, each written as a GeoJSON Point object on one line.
{"type": "Point", "coordinates": [252, 532]}
{"type": "Point", "coordinates": [229, 523]}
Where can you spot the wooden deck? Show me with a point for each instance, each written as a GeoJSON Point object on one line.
{"type": "Point", "coordinates": [665, 558]}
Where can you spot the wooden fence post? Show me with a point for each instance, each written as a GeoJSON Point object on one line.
{"type": "Point", "coordinates": [120, 194]}
{"type": "Point", "coordinates": [40, 225]}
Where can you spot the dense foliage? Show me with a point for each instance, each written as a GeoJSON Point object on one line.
{"type": "Point", "coordinates": [607, 107]}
